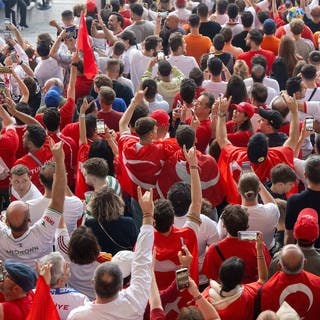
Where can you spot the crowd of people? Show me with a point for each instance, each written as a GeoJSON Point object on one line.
{"type": "Point", "coordinates": [160, 160]}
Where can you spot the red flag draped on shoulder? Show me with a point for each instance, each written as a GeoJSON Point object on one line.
{"type": "Point", "coordinates": [43, 306]}
{"type": "Point", "coordinates": [90, 68]}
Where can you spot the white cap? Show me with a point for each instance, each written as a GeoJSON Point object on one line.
{"type": "Point", "coordinates": [124, 260]}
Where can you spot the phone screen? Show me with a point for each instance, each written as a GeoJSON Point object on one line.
{"type": "Point", "coordinates": [100, 126]}
{"type": "Point", "coordinates": [309, 124]}
{"type": "Point", "coordinates": [182, 278]}
{"type": "Point", "coordinates": [246, 166]}
{"type": "Point", "coordinates": [1, 272]}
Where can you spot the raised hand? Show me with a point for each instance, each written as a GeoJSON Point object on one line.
{"type": "Point", "coordinates": [146, 201]}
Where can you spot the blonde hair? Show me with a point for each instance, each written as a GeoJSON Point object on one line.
{"type": "Point", "coordinates": [241, 69]}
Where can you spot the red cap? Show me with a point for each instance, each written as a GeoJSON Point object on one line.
{"type": "Point", "coordinates": [161, 117]}
{"type": "Point", "coordinates": [245, 107]}
{"type": "Point", "coordinates": [307, 225]}
{"type": "Point", "coordinates": [91, 6]}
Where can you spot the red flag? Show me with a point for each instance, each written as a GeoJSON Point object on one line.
{"type": "Point", "coordinates": [89, 63]}
{"type": "Point", "coordinates": [43, 306]}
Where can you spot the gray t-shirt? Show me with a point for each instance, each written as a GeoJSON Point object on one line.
{"type": "Point", "coordinates": [142, 30]}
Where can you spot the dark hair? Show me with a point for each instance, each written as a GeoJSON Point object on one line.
{"type": "Point", "coordinates": [46, 174]}
{"type": "Point", "coordinates": [187, 90]}
{"type": "Point", "coordinates": [136, 9]}
{"type": "Point", "coordinates": [24, 108]}
{"type": "Point", "coordinates": [67, 14]}
{"type": "Point", "coordinates": [107, 280]}
{"type": "Point", "coordinates": [139, 112]}
{"type": "Point", "coordinates": [51, 119]}
{"type": "Point", "coordinates": [97, 167]}
{"type": "Point", "coordinates": [317, 143]}
{"type": "Point", "coordinates": [309, 72]}
{"type": "Point", "coordinates": [179, 195]}
{"type": "Point", "coordinates": [236, 89]}
{"type": "Point", "coordinates": [227, 33]}
{"type": "Point", "coordinates": [175, 41]}
{"type": "Point", "coordinates": [221, 6]}
{"type": "Point", "coordinates": [119, 48]}
{"type": "Point", "coordinates": [231, 273]}
{"type": "Point", "coordinates": [247, 19]}
{"type": "Point", "coordinates": [115, 4]}
{"type": "Point", "coordinates": [194, 20]}
{"type": "Point", "coordinates": [263, 15]}
{"type": "Point", "coordinates": [215, 66]}
{"type": "Point", "coordinates": [256, 36]}
{"type": "Point", "coordinates": [43, 49]}
{"type": "Point", "coordinates": [151, 42]}
{"type": "Point", "coordinates": [197, 75]}
{"type": "Point", "coordinates": [232, 10]}
{"type": "Point", "coordinates": [152, 88]}
{"type": "Point", "coordinates": [107, 95]}
{"type": "Point", "coordinates": [259, 92]}
{"type": "Point", "coordinates": [100, 149]}
{"type": "Point", "coordinates": [119, 17]}
{"type": "Point", "coordinates": [235, 218]}
{"type": "Point", "coordinates": [218, 41]}
{"type": "Point", "coordinates": [83, 246]}
{"type": "Point", "coordinates": [248, 186]}
{"type": "Point", "coordinates": [164, 68]}
{"type": "Point", "coordinates": [279, 72]}
{"type": "Point", "coordinates": [36, 134]}
{"type": "Point", "coordinates": [282, 173]}
{"type": "Point", "coordinates": [89, 100]}
{"type": "Point", "coordinates": [185, 135]}
{"type": "Point", "coordinates": [163, 215]}
{"type": "Point", "coordinates": [311, 169]}
{"type": "Point", "coordinates": [293, 85]}
{"type": "Point", "coordinates": [202, 10]}
{"type": "Point", "coordinates": [259, 59]}
{"type": "Point", "coordinates": [31, 85]}
{"type": "Point", "coordinates": [190, 313]}
{"type": "Point", "coordinates": [91, 122]}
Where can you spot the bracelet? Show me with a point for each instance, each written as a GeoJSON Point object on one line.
{"type": "Point", "coordinates": [147, 215]}
{"type": "Point", "coordinates": [200, 296]}
{"type": "Point", "coordinates": [260, 257]}
{"type": "Point", "coordinates": [194, 167]}
{"type": "Point", "coordinates": [83, 115]}
{"type": "Point", "coordinates": [221, 114]}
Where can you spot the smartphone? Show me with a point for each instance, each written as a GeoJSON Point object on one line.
{"type": "Point", "coordinates": [14, 57]}
{"type": "Point", "coordinates": [6, 35]}
{"type": "Point", "coordinates": [1, 272]}
{"type": "Point", "coordinates": [246, 166]}
{"type": "Point", "coordinates": [309, 124]}
{"type": "Point", "coordinates": [100, 126]}
{"type": "Point", "coordinates": [182, 278]}
{"type": "Point", "coordinates": [7, 22]}
{"type": "Point", "coordinates": [160, 55]}
{"type": "Point", "coordinates": [247, 235]}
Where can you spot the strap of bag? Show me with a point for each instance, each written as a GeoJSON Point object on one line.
{"type": "Point", "coordinates": [312, 94]}
{"type": "Point", "coordinates": [219, 252]}
{"type": "Point", "coordinates": [35, 159]}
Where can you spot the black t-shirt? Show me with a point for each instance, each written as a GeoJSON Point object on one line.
{"type": "Point", "coordinates": [276, 139]}
{"type": "Point", "coordinates": [122, 91]}
{"type": "Point", "coordinates": [306, 199]}
{"type": "Point", "coordinates": [239, 41]}
{"type": "Point", "coordinates": [209, 29]}
{"type": "Point", "coordinates": [275, 195]}
{"type": "Point", "coordinates": [314, 27]}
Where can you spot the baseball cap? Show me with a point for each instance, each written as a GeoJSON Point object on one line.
{"type": "Point", "coordinates": [124, 261]}
{"type": "Point", "coordinates": [52, 98]}
{"type": "Point", "coordinates": [161, 117]}
{"type": "Point", "coordinates": [273, 116]}
{"type": "Point", "coordinates": [91, 6]}
{"type": "Point", "coordinates": [314, 57]}
{"type": "Point", "coordinates": [307, 225]}
{"type": "Point", "coordinates": [269, 26]}
{"type": "Point", "coordinates": [245, 107]}
{"type": "Point", "coordinates": [20, 273]}
{"type": "Point", "coordinates": [257, 148]}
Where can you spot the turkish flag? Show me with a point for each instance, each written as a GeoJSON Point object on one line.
{"type": "Point", "coordinates": [42, 306]}
{"type": "Point", "coordinates": [90, 68]}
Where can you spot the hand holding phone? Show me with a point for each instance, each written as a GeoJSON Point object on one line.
{"type": "Point", "coordinates": [100, 126]}
{"type": "Point", "coordinates": [248, 235]}
{"type": "Point", "coordinates": [182, 278]}
{"type": "Point", "coordinates": [309, 124]}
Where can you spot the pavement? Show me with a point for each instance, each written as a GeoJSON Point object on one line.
{"type": "Point", "coordinates": [38, 20]}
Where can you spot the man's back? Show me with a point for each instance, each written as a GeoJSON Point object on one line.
{"type": "Point", "coordinates": [142, 30]}
{"type": "Point", "coordinates": [197, 45]}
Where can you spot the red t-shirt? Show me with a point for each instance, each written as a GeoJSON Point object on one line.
{"type": "Point", "coordinates": [247, 57]}
{"type": "Point", "coordinates": [70, 149]}
{"type": "Point", "coordinates": [229, 247]}
{"type": "Point", "coordinates": [72, 130]}
{"type": "Point", "coordinates": [21, 129]}
{"type": "Point", "coordinates": [126, 13]}
{"type": "Point", "coordinates": [301, 291]}
{"type": "Point", "coordinates": [237, 138]}
{"type": "Point", "coordinates": [9, 142]}
{"type": "Point", "coordinates": [176, 169]}
{"type": "Point", "coordinates": [243, 307]}
{"type": "Point", "coordinates": [42, 156]}
{"type": "Point", "coordinates": [178, 97]}
{"type": "Point", "coordinates": [306, 33]}
{"type": "Point", "coordinates": [230, 161]}
{"type": "Point", "coordinates": [81, 186]}
{"type": "Point", "coordinates": [17, 309]}
{"type": "Point", "coordinates": [66, 114]}
{"type": "Point", "coordinates": [111, 118]}
{"type": "Point", "coordinates": [83, 86]}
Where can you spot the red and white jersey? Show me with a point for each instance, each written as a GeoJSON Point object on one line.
{"type": "Point", "coordinates": [300, 291]}
{"type": "Point", "coordinates": [176, 169]}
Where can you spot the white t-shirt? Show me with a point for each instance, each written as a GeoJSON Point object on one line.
{"type": "Point", "coordinates": [184, 63]}
{"type": "Point", "coordinates": [47, 69]}
{"type": "Point", "coordinates": [66, 299]}
{"type": "Point", "coordinates": [33, 193]}
{"type": "Point", "coordinates": [158, 103]}
{"type": "Point", "coordinates": [315, 97]}
{"type": "Point", "coordinates": [183, 15]}
{"type": "Point", "coordinates": [72, 210]}
{"type": "Point", "coordinates": [35, 243]}
{"type": "Point", "coordinates": [268, 82]}
{"type": "Point", "coordinates": [216, 88]}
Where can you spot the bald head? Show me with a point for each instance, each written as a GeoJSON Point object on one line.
{"type": "Point", "coordinates": [172, 21]}
{"type": "Point", "coordinates": [291, 259]}
{"type": "Point", "coordinates": [280, 105]}
{"type": "Point", "coordinates": [18, 216]}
